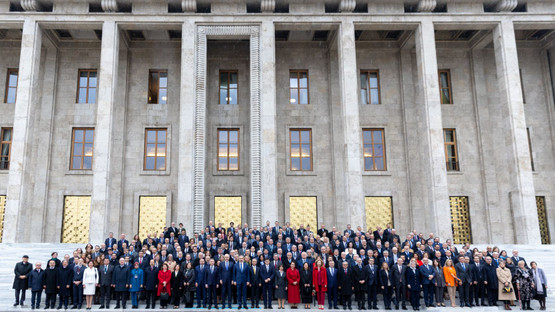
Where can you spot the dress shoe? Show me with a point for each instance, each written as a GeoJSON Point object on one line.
{"type": "Point", "coordinates": [101, 307]}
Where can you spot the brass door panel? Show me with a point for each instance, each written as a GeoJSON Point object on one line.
{"type": "Point", "coordinates": [2, 212]}
{"type": "Point", "coordinates": [152, 215]}
{"type": "Point", "coordinates": [460, 220]}
{"type": "Point", "coordinates": [77, 216]}
{"type": "Point", "coordinates": [227, 209]}
{"type": "Point", "coordinates": [302, 210]}
{"type": "Point", "coordinates": [379, 212]}
{"type": "Point", "coordinates": [542, 219]}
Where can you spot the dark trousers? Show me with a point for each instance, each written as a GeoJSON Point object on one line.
{"type": "Point", "coordinates": [386, 292]}
{"type": "Point", "coordinates": [226, 293]}
{"type": "Point", "coordinates": [428, 294]}
{"type": "Point", "coordinates": [77, 295]}
{"type": "Point", "coordinates": [332, 297]}
{"type": "Point", "coordinates": [464, 293]}
{"type": "Point", "coordinates": [242, 294]}
{"type": "Point", "coordinates": [255, 294]}
{"type": "Point", "coordinates": [359, 297]}
{"type": "Point", "coordinates": [20, 296]}
{"type": "Point", "coordinates": [372, 296]}
{"type": "Point", "coordinates": [105, 296]}
{"type": "Point", "coordinates": [212, 295]}
{"type": "Point", "coordinates": [151, 298]}
{"type": "Point", "coordinates": [415, 299]}
{"type": "Point", "coordinates": [176, 296]}
{"type": "Point", "coordinates": [201, 295]}
{"type": "Point", "coordinates": [50, 300]}
{"type": "Point", "coordinates": [63, 300]}
{"type": "Point", "coordinates": [346, 300]}
{"type": "Point", "coordinates": [267, 294]}
{"type": "Point", "coordinates": [477, 294]}
{"type": "Point", "coordinates": [492, 296]}
{"type": "Point", "coordinates": [121, 296]}
{"type": "Point", "coordinates": [401, 295]}
{"type": "Point", "coordinates": [35, 298]}
{"type": "Point", "coordinates": [439, 294]}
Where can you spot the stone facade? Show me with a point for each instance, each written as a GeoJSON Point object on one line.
{"type": "Point", "coordinates": [499, 55]}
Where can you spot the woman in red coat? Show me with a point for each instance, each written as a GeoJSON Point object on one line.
{"type": "Point", "coordinates": [293, 291]}
{"type": "Point", "coordinates": [164, 277]}
{"type": "Point", "coordinates": [320, 282]}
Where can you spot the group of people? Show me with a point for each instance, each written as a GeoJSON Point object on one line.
{"type": "Point", "coordinates": [225, 266]}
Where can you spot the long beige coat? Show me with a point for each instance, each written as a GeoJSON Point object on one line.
{"type": "Point", "coordinates": [504, 275]}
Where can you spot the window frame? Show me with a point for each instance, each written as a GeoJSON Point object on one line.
{"type": "Point", "coordinates": [149, 97]}
{"type": "Point", "coordinates": [384, 156]}
{"type": "Point", "coordinates": [88, 70]}
{"type": "Point", "coordinates": [228, 130]}
{"type": "Point", "coordinates": [368, 88]}
{"type": "Point", "coordinates": [2, 130]}
{"type": "Point", "coordinates": [157, 130]}
{"type": "Point", "coordinates": [229, 72]}
{"type": "Point", "coordinates": [300, 150]}
{"type": "Point", "coordinates": [298, 88]}
{"type": "Point", "coordinates": [82, 156]}
{"type": "Point", "coordinates": [445, 145]}
{"type": "Point", "coordinates": [449, 86]}
{"type": "Point", "coordinates": [9, 71]}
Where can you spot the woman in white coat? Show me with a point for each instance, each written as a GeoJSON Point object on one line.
{"type": "Point", "coordinates": [90, 281]}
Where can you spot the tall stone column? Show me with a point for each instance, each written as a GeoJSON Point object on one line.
{"type": "Point", "coordinates": [435, 214]}
{"type": "Point", "coordinates": [352, 133]}
{"type": "Point", "coordinates": [186, 127]}
{"type": "Point", "coordinates": [107, 85]}
{"type": "Point", "coordinates": [522, 193]}
{"type": "Point", "coordinates": [268, 122]}
{"type": "Point", "coordinates": [25, 108]}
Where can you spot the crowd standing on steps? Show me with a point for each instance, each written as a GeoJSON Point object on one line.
{"type": "Point", "coordinates": [230, 267]}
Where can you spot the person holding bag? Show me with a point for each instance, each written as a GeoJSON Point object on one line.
{"type": "Point", "coordinates": [90, 281]}
{"type": "Point", "coordinates": [506, 291]}
{"type": "Point", "coordinates": [164, 289]}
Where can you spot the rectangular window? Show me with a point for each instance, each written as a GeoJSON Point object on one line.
{"type": "Point", "coordinates": [374, 150]}
{"type": "Point", "coordinates": [155, 149]}
{"type": "Point", "coordinates": [228, 149]}
{"type": "Point", "coordinates": [157, 86]}
{"type": "Point", "coordinates": [370, 86]}
{"type": "Point", "coordinates": [86, 89]}
{"type": "Point", "coordinates": [445, 86]}
{"type": "Point", "coordinates": [5, 148]}
{"type": "Point", "coordinates": [451, 154]}
{"type": "Point", "coordinates": [298, 87]}
{"type": "Point", "coordinates": [82, 148]}
{"type": "Point", "coordinates": [11, 85]}
{"type": "Point", "coordinates": [530, 149]}
{"type": "Point", "coordinates": [228, 86]}
{"type": "Point", "coordinates": [300, 149]}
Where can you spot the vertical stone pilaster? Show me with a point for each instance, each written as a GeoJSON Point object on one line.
{"type": "Point", "coordinates": [522, 193]}
{"type": "Point", "coordinates": [108, 77]}
{"type": "Point", "coordinates": [25, 108]}
{"type": "Point", "coordinates": [352, 132]}
{"type": "Point", "coordinates": [436, 209]}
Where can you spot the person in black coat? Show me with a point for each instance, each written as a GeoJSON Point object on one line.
{"type": "Point", "coordinates": [256, 283]}
{"type": "Point", "coordinates": [346, 284]}
{"type": "Point", "coordinates": [20, 283]}
{"type": "Point", "coordinates": [398, 272]}
{"type": "Point", "coordinates": [306, 285]}
{"type": "Point", "coordinates": [105, 280]}
{"type": "Point", "coordinates": [211, 278]}
{"type": "Point", "coordinates": [360, 276]}
{"type": "Point", "coordinates": [489, 276]}
{"type": "Point", "coordinates": [36, 282]}
{"type": "Point", "coordinates": [267, 280]}
{"type": "Point", "coordinates": [150, 284]}
{"type": "Point", "coordinates": [372, 284]}
{"type": "Point", "coordinates": [120, 280]}
{"type": "Point", "coordinates": [176, 283]}
{"type": "Point", "coordinates": [386, 285]}
{"type": "Point", "coordinates": [414, 284]}
{"type": "Point", "coordinates": [464, 273]}
{"type": "Point", "coordinates": [477, 289]}
{"type": "Point", "coordinates": [51, 284]}
{"type": "Point", "coordinates": [189, 284]}
{"type": "Point", "coordinates": [65, 280]}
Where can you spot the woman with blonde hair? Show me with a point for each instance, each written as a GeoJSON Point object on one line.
{"type": "Point", "coordinates": [451, 280]}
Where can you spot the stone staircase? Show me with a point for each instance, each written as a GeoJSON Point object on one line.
{"type": "Point", "coordinates": [10, 254]}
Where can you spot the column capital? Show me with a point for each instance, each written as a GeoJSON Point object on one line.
{"type": "Point", "coordinates": [347, 5]}
{"type": "Point", "coordinates": [189, 5]}
{"type": "Point", "coordinates": [267, 6]}
{"type": "Point", "coordinates": [426, 5]}
{"type": "Point", "coordinates": [506, 5]}
{"type": "Point", "coordinates": [30, 5]}
{"type": "Point", "coordinates": [109, 5]}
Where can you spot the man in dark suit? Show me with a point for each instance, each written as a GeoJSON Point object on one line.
{"type": "Point", "coordinates": [22, 271]}
{"type": "Point", "coordinates": [332, 285]}
{"type": "Point", "coordinates": [428, 275]}
{"type": "Point", "coordinates": [120, 280]}
{"type": "Point", "coordinates": [150, 282]}
{"type": "Point", "coordinates": [105, 281]}
{"type": "Point", "coordinates": [211, 275]}
{"type": "Point", "coordinates": [489, 275]}
{"type": "Point", "coordinates": [398, 271]}
{"type": "Point", "coordinates": [122, 241]}
{"type": "Point", "coordinates": [516, 259]}
{"type": "Point", "coordinates": [36, 282]}
{"type": "Point", "coordinates": [346, 284]}
{"type": "Point", "coordinates": [386, 258]}
{"type": "Point", "coordinates": [51, 284]}
{"type": "Point", "coordinates": [241, 279]}
{"type": "Point", "coordinates": [477, 289]}
{"type": "Point", "coordinates": [372, 284]}
{"type": "Point", "coordinates": [413, 281]}
{"type": "Point", "coordinates": [65, 278]}
{"type": "Point", "coordinates": [256, 282]}
{"type": "Point", "coordinates": [110, 241]}
{"type": "Point", "coordinates": [200, 283]}
{"type": "Point", "coordinates": [322, 232]}
{"type": "Point", "coordinates": [465, 276]}
{"type": "Point", "coordinates": [226, 276]}
{"type": "Point", "coordinates": [78, 271]}
{"type": "Point", "coordinates": [360, 277]}
{"type": "Point", "coordinates": [267, 278]}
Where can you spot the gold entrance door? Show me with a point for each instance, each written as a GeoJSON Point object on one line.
{"type": "Point", "coordinates": [227, 209]}
{"type": "Point", "coordinates": [302, 210]}
{"type": "Point", "coordinates": [379, 212]}
{"type": "Point", "coordinates": [2, 211]}
{"type": "Point", "coordinates": [152, 215]}
{"type": "Point", "coordinates": [77, 216]}
{"type": "Point", "coordinates": [542, 219]}
{"type": "Point", "coordinates": [460, 220]}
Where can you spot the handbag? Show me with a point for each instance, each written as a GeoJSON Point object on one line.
{"type": "Point", "coordinates": [507, 290]}
{"type": "Point", "coordinates": [164, 296]}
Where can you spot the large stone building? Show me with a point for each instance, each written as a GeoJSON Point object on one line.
{"type": "Point", "coordinates": [125, 115]}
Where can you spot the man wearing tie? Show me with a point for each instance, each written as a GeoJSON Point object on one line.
{"type": "Point", "coordinates": [332, 285]}
{"type": "Point", "coordinates": [465, 279]}
{"type": "Point", "coordinates": [267, 277]}
{"type": "Point", "coordinates": [211, 278]}
{"type": "Point", "coordinates": [105, 281]}
{"type": "Point", "coordinates": [241, 279]}
{"type": "Point", "coordinates": [477, 289]}
{"type": "Point", "coordinates": [226, 276]}
{"type": "Point", "coordinates": [360, 283]}
{"type": "Point", "coordinates": [200, 284]}
{"type": "Point", "coordinates": [345, 285]}
{"type": "Point", "coordinates": [78, 272]}
{"type": "Point", "coordinates": [256, 283]}
{"type": "Point", "coordinates": [151, 284]}
{"type": "Point", "coordinates": [372, 284]}
{"type": "Point", "coordinates": [414, 285]}
{"type": "Point", "coordinates": [398, 272]}
{"type": "Point", "coordinates": [428, 275]}
{"type": "Point", "coordinates": [110, 241]}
